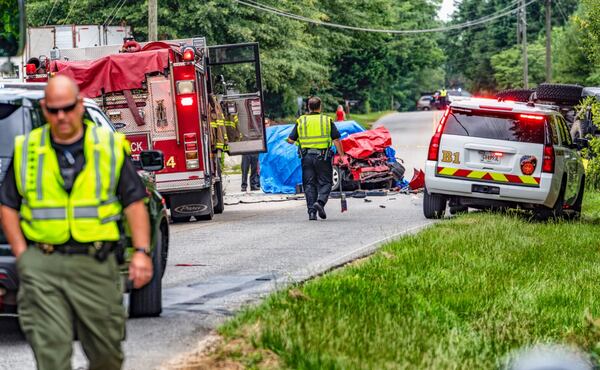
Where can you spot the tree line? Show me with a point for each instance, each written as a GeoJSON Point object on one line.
{"type": "Point", "coordinates": [377, 70]}
{"type": "Point", "coordinates": [298, 58]}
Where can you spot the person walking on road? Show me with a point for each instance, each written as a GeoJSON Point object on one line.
{"type": "Point", "coordinates": [250, 165]}
{"type": "Point", "coordinates": [314, 133]}
{"type": "Point", "coordinates": [65, 190]}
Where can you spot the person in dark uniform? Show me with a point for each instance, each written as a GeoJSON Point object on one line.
{"type": "Point", "coordinates": [314, 133]}
{"type": "Point", "coordinates": [250, 165]}
{"type": "Point", "coordinates": [65, 190]}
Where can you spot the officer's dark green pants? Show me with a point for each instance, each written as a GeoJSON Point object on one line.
{"type": "Point", "coordinates": [59, 293]}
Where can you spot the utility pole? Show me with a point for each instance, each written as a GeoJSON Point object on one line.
{"type": "Point", "coordinates": [152, 20]}
{"type": "Point", "coordinates": [548, 41]}
{"type": "Point", "coordinates": [524, 42]}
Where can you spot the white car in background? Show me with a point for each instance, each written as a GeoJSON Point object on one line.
{"type": "Point", "coordinates": [492, 154]}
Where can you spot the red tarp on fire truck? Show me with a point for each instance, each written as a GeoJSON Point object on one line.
{"type": "Point", "coordinates": [114, 72]}
{"type": "Point", "coordinates": [364, 144]}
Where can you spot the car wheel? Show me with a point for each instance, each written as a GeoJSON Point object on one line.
{"type": "Point", "coordinates": [425, 108]}
{"type": "Point", "coordinates": [147, 301]}
{"type": "Point", "coordinates": [556, 212]}
{"type": "Point", "coordinates": [434, 205]}
{"type": "Point", "coordinates": [335, 179]}
{"type": "Point", "coordinates": [219, 204]}
{"type": "Point", "coordinates": [578, 205]}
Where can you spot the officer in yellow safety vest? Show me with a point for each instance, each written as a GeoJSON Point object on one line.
{"type": "Point", "coordinates": [65, 190]}
{"type": "Point", "coordinates": [443, 98]}
{"type": "Point", "coordinates": [314, 133]}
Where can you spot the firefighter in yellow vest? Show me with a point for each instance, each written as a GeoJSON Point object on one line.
{"type": "Point", "coordinates": [66, 188]}
{"type": "Point", "coordinates": [314, 133]}
{"type": "Point", "coordinates": [217, 125]}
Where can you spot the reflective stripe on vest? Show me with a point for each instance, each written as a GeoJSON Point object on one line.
{"type": "Point", "coordinates": [314, 131]}
{"type": "Point", "coordinates": [89, 213]}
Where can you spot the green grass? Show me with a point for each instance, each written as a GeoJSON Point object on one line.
{"type": "Point", "coordinates": [236, 169]}
{"type": "Point", "coordinates": [461, 294]}
{"type": "Point", "coordinates": [367, 120]}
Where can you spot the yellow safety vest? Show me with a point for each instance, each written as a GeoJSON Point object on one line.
{"type": "Point", "coordinates": [443, 93]}
{"type": "Point", "coordinates": [314, 131]}
{"type": "Point", "coordinates": [90, 212]}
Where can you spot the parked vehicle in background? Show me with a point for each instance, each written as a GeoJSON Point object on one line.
{"type": "Point", "coordinates": [425, 102]}
{"type": "Point", "coordinates": [20, 112]}
{"type": "Point", "coordinates": [491, 154]}
{"type": "Point", "coordinates": [458, 95]}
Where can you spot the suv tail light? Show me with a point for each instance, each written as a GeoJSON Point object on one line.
{"type": "Point", "coordinates": [190, 144]}
{"type": "Point", "coordinates": [548, 161]}
{"type": "Point", "coordinates": [434, 145]}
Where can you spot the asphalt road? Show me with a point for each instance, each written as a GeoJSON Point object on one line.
{"type": "Point", "coordinates": [256, 246]}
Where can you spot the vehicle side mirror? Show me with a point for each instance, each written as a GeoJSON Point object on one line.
{"type": "Point", "coordinates": [152, 160]}
{"type": "Point", "coordinates": [582, 143]}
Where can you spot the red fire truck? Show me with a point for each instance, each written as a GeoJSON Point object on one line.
{"type": "Point", "coordinates": [158, 93]}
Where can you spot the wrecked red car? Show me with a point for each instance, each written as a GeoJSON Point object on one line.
{"type": "Point", "coordinates": [369, 166]}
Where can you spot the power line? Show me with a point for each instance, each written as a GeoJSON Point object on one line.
{"type": "Point", "coordinates": [115, 13]}
{"type": "Point", "coordinates": [50, 14]}
{"type": "Point", "coordinates": [70, 10]}
{"type": "Point", "coordinates": [562, 12]}
{"type": "Point", "coordinates": [114, 10]}
{"type": "Point", "coordinates": [467, 24]}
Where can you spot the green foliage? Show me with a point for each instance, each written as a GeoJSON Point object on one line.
{"type": "Point", "coordinates": [9, 27]}
{"type": "Point", "coordinates": [470, 52]}
{"type": "Point", "coordinates": [592, 172]}
{"type": "Point", "coordinates": [508, 66]}
{"type": "Point", "coordinates": [462, 294]}
{"type": "Point", "coordinates": [298, 59]}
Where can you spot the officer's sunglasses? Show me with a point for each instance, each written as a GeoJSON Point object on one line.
{"type": "Point", "coordinates": [65, 109]}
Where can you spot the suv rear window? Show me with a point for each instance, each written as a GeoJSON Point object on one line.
{"type": "Point", "coordinates": [11, 125]}
{"type": "Point", "coordinates": [498, 126]}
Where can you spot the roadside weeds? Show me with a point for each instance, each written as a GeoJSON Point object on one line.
{"type": "Point", "coordinates": [462, 294]}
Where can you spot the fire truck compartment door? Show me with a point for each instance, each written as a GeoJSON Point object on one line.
{"type": "Point", "coordinates": [235, 78]}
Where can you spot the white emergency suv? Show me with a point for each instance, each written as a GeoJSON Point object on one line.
{"type": "Point", "coordinates": [487, 153]}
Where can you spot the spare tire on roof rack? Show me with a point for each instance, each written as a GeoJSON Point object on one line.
{"type": "Point", "coordinates": [521, 95]}
{"type": "Point", "coordinates": [559, 94]}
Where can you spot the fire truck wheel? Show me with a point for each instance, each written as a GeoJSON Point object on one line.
{"type": "Point", "coordinates": [208, 201]}
{"type": "Point", "coordinates": [147, 301]}
{"type": "Point", "coordinates": [219, 204]}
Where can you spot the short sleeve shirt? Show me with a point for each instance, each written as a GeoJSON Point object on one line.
{"type": "Point", "coordinates": [130, 188]}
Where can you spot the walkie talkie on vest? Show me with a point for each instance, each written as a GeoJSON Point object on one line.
{"type": "Point", "coordinates": [343, 201]}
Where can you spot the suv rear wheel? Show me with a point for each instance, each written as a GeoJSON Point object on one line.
{"type": "Point", "coordinates": [556, 212]}
{"type": "Point", "coordinates": [434, 205]}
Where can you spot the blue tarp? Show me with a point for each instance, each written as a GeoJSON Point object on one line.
{"type": "Point", "coordinates": [280, 166]}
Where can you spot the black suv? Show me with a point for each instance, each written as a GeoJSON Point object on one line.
{"type": "Point", "coordinates": [20, 112]}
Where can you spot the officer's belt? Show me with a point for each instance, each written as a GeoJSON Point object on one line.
{"type": "Point", "coordinates": [314, 151]}
{"type": "Point", "coordinates": [73, 248]}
